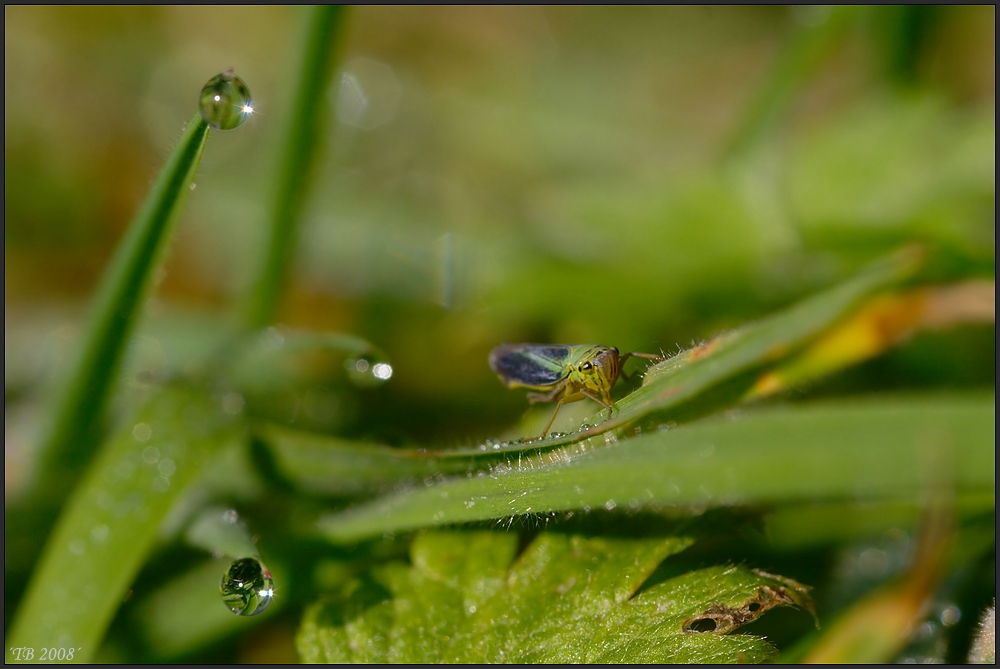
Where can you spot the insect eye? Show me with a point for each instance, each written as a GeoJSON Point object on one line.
{"type": "Point", "coordinates": [585, 366]}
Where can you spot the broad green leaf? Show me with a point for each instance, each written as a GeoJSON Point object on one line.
{"type": "Point", "coordinates": [110, 522]}
{"type": "Point", "coordinates": [848, 450]}
{"type": "Point", "coordinates": [565, 599]}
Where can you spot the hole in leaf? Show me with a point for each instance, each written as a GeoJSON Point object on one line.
{"type": "Point", "coordinates": [702, 625]}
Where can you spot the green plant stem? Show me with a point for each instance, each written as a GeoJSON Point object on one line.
{"type": "Point", "coordinates": [803, 53]}
{"type": "Point", "coordinates": [79, 409]}
{"type": "Point", "coordinates": [301, 139]}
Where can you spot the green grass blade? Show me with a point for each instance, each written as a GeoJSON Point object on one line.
{"type": "Point", "coordinates": [79, 409]}
{"type": "Point", "coordinates": [844, 450]}
{"type": "Point", "coordinates": [805, 50]}
{"type": "Point", "coordinates": [300, 141]}
{"type": "Point", "coordinates": [111, 521]}
{"type": "Point", "coordinates": [676, 384]}
{"type": "Point", "coordinates": [324, 465]}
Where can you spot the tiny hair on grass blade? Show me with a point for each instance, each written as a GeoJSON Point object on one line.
{"type": "Point", "coordinates": [562, 372]}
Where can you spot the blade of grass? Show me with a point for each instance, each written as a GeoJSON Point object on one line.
{"type": "Point", "coordinates": [111, 521]}
{"type": "Point", "coordinates": [79, 408]}
{"type": "Point", "coordinates": [678, 383]}
{"type": "Point", "coordinates": [805, 50]}
{"type": "Point", "coordinates": [299, 144]}
{"type": "Point", "coordinates": [326, 465]}
{"type": "Point", "coordinates": [845, 450]}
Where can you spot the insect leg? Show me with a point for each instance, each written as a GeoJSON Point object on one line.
{"type": "Point", "coordinates": [639, 354]}
{"type": "Point", "coordinates": [607, 404]}
{"type": "Point", "coordinates": [635, 354]}
{"type": "Point", "coordinates": [553, 417]}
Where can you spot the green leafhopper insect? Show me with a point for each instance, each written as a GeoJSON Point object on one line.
{"type": "Point", "coordinates": [562, 372]}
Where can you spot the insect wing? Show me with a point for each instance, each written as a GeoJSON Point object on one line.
{"type": "Point", "coordinates": [530, 365]}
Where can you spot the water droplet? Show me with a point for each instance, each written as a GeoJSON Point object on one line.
{"type": "Point", "coordinates": [247, 587]}
{"type": "Point", "coordinates": [167, 467]}
{"type": "Point", "coordinates": [367, 372]}
{"type": "Point", "coordinates": [151, 455]}
{"type": "Point", "coordinates": [142, 432]}
{"type": "Point", "coordinates": [225, 101]}
{"type": "Point", "coordinates": [368, 94]}
{"type": "Point", "coordinates": [950, 615]}
{"type": "Point", "coordinates": [161, 484]}
{"type": "Point", "coordinates": [556, 435]}
{"type": "Point", "coordinates": [230, 516]}
{"type": "Point", "coordinates": [610, 505]}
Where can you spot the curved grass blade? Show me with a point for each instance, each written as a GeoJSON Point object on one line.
{"type": "Point", "coordinates": [300, 141]}
{"type": "Point", "coordinates": [672, 385]}
{"type": "Point", "coordinates": [79, 409]}
{"type": "Point", "coordinates": [326, 465]}
{"type": "Point", "coordinates": [844, 450]}
{"type": "Point", "coordinates": [111, 521]}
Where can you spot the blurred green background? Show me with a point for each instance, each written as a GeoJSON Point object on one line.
{"type": "Point", "coordinates": [641, 177]}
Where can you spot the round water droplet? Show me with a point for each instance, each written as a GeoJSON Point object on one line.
{"type": "Point", "coordinates": [247, 587]}
{"type": "Point", "coordinates": [367, 371]}
{"type": "Point", "coordinates": [142, 432]}
{"type": "Point", "coordinates": [225, 101]}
